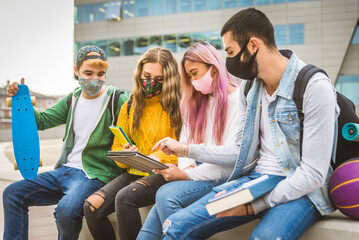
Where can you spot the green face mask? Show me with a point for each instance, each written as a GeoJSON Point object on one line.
{"type": "Point", "coordinates": [151, 87]}
{"type": "Point", "coordinates": [91, 86]}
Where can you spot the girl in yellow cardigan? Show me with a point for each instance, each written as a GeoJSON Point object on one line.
{"type": "Point", "coordinates": [154, 114]}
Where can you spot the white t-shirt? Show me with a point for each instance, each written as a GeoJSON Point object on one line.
{"type": "Point", "coordinates": [207, 171]}
{"type": "Point", "coordinates": [85, 119]}
{"type": "Point", "coordinates": [267, 162]}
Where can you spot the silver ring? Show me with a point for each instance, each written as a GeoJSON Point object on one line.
{"type": "Point", "coordinates": [165, 144]}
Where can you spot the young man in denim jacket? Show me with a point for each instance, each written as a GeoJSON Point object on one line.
{"type": "Point", "coordinates": [83, 166]}
{"type": "Point", "coordinates": [268, 141]}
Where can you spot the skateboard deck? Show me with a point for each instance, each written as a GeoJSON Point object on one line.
{"type": "Point", "coordinates": [24, 134]}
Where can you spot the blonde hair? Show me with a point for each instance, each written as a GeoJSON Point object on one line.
{"type": "Point", "coordinates": [171, 95]}
{"type": "Point", "coordinates": [98, 63]}
{"type": "Point", "coordinates": [94, 63]}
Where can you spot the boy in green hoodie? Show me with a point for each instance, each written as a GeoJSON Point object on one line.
{"type": "Point", "coordinates": [83, 166]}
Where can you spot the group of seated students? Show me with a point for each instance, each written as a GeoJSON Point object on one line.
{"type": "Point", "coordinates": [196, 119]}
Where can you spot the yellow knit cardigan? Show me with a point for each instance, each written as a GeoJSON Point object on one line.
{"type": "Point", "coordinates": [155, 125]}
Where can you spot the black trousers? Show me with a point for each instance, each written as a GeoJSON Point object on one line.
{"type": "Point", "coordinates": [123, 195]}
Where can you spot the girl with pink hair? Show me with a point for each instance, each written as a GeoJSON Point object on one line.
{"type": "Point", "coordinates": [210, 114]}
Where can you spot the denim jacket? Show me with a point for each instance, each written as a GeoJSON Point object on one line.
{"type": "Point", "coordinates": [285, 124]}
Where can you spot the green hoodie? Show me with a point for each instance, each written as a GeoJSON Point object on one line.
{"type": "Point", "coordinates": [94, 160]}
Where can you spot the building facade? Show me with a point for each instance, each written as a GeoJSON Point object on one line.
{"type": "Point", "coordinates": [321, 32]}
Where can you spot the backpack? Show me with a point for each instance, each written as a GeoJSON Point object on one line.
{"type": "Point", "coordinates": [112, 104]}
{"type": "Point", "coordinates": [345, 149]}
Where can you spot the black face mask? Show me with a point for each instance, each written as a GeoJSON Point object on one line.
{"type": "Point", "coordinates": [240, 69]}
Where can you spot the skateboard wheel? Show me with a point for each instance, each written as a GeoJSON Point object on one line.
{"type": "Point", "coordinates": [33, 100]}
{"type": "Point", "coordinates": [40, 164]}
{"type": "Point", "coordinates": [15, 166]}
{"type": "Point", "coordinates": [8, 102]}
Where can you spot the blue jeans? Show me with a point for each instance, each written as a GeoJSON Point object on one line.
{"type": "Point", "coordinates": [67, 187]}
{"type": "Point", "coordinates": [171, 198]}
{"type": "Point", "coordinates": [285, 221]}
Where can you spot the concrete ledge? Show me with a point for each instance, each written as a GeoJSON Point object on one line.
{"type": "Point", "coordinates": [332, 227]}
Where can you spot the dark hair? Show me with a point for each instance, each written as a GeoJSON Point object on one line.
{"type": "Point", "coordinates": [249, 23]}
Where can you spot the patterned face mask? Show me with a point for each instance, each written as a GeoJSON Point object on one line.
{"type": "Point", "coordinates": [91, 86]}
{"type": "Point", "coordinates": [151, 87]}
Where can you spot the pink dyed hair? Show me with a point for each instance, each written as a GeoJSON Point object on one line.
{"type": "Point", "coordinates": [194, 104]}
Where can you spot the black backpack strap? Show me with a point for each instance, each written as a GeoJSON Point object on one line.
{"type": "Point", "coordinates": [129, 104]}
{"type": "Point", "coordinates": [113, 105]}
{"type": "Point", "coordinates": [300, 86]}
{"type": "Point", "coordinates": [247, 87]}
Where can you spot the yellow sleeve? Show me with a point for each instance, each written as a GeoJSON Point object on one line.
{"type": "Point", "coordinates": [123, 121]}
{"type": "Point", "coordinates": [163, 157]}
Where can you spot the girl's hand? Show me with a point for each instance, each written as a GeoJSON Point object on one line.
{"type": "Point", "coordinates": [172, 173]}
{"type": "Point", "coordinates": [192, 165]}
{"type": "Point", "coordinates": [127, 147]}
{"type": "Point", "coordinates": [169, 146]}
{"type": "Point", "coordinates": [13, 87]}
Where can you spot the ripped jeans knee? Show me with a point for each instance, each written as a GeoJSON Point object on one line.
{"type": "Point", "coordinates": [95, 201]}
{"type": "Point", "coordinates": [166, 225]}
{"type": "Point", "coordinates": [142, 182]}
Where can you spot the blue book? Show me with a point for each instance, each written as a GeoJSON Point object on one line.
{"type": "Point", "coordinates": [246, 193]}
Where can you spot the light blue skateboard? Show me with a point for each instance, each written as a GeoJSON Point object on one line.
{"type": "Point", "coordinates": [25, 137]}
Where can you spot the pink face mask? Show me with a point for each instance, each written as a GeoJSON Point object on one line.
{"type": "Point", "coordinates": [204, 84]}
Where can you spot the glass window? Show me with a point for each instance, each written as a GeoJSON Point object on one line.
{"type": "Point", "coordinates": [200, 5]}
{"type": "Point", "coordinates": [86, 13]}
{"type": "Point", "coordinates": [127, 47]}
{"type": "Point", "coordinates": [87, 43]}
{"type": "Point", "coordinates": [155, 7]}
{"type": "Point", "coordinates": [348, 85]}
{"type": "Point", "coordinates": [199, 36]}
{"type": "Point", "coordinates": [113, 10]}
{"type": "Point", "coordinates": [229, 3]}
{"type": "Point", "coordinates": [184, 41]}
{"type": "Point", "coordinates": [114, 48]}
{"type": "Point", "coordinates": [102, 44]}
{"type": "Point", "coordinates": [278, 1]}
{"type": "Point", "coordinates": [280, 34]}
{"type": "Point", "coordinates": [77, 46]}
{"type": "Point", "coordinates": [155, 41]}
{"type": "Point", "coordinates": [141, 45]}
{"type": "Point", "coordinates": [128, 8]}
{"type": "Point", "coordinates": [261, 2]}
{"type": "Point", "coordinates": [169, 42]}
{"type": "Point", "coordinates": [245, 3]}
{"type": "Point", "coordinates": [213, 4]}
{"type": "Point", "coordinates": [299, 0]}
{"type": "Point", "coordinates": [296, 33]}
{"type": "Point", "coordinates": [356, 36]}
{"type": "Point", "coordinates": [100, 11]}
{"type": "Point", "coordinates": [184, 6]}
{"type": "Point", "coordinates": [170, 6]}
{"type": "Point", "coordinates": [141, 8]}
{"type": "Point", "coordinates": [76, 15]}
{"type": "Point", "coordinates": [214, 38]}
